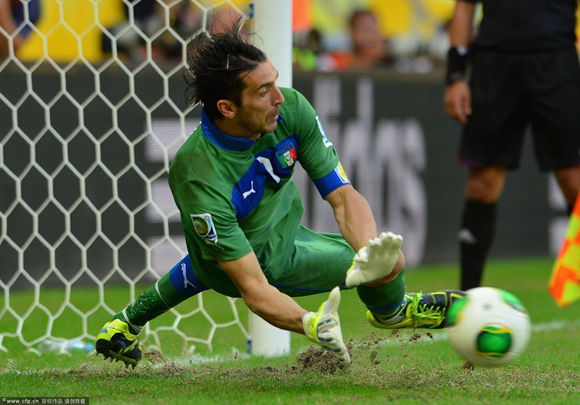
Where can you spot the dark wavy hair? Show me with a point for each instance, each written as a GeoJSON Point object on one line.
{"type": "Point", "coordinates": [216, 66]}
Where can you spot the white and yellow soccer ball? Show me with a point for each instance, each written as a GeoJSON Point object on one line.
{"type": "Point", "coordinates": [489, 327]}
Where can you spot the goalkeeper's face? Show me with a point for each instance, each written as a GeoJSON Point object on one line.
{"type": "Point", "coordinates": [261, 99]}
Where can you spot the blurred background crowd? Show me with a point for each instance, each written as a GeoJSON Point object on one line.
{"type": "Point", "coordinates": [329, 35]}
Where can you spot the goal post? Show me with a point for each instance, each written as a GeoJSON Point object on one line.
{"type": "Point", "coordinates": [273, 29]}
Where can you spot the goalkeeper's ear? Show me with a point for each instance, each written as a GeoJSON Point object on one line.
{"type": "Point", "coordinates": [227, 108]}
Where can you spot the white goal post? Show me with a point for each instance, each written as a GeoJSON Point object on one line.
{"type": "Point", "coordinates": [273, 26]}
{"type": "Point", "coordinates": [84, 151]}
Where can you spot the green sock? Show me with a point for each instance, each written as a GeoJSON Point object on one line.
{"type": "Point", "coordinates": [154, 301]}
{"type": "Point", "coordinates": [387, 300]}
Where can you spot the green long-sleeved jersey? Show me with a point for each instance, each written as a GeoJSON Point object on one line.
{"type": "Point", "coordinates": [236, 195]}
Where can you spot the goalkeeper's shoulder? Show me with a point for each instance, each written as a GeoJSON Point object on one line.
{"type": "Point", "coordinates": [193, 161]}
{"type": "Point", "coordinates": [293, 99]}
{"type": "Point", "coordinates": [290, 93]}
{"type": "Point", "coordinates": [297, 112]}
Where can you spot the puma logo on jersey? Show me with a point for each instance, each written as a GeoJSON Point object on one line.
{"type": "Point", "coordinates": [186, 282]}
{"type": "Point", "coordinates": [250, 191]}
{"type": "Point", "coordinates": [268, 166]}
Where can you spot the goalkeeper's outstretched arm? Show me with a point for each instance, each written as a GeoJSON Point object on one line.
{"type": "Point", "coordinates": [321, 327]}
{"type": "Point", "coordinates": [379, 259]}
{"type": "Point", "coordinates": [353, 215]}
{"type": "Point", "coordinates": [262, 298]}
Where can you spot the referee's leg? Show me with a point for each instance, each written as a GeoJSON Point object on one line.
{"type": "Point", "coordinates": [569, 181]}
{"type": "Point", "coordinates": [483, 189]}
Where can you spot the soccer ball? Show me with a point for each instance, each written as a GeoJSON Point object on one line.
{"type": "Point", "coordinates": [489, 327]}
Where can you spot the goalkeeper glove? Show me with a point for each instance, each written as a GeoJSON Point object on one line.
{"type": "Point", "coordinates": [376, 260]}
{"type": "Point", "coordinates": [323, 327]}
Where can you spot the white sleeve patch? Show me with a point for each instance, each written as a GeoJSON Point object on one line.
{"type": "Point", "coordinates": [204, 227]}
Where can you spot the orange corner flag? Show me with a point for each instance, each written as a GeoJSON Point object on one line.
{"type": "Point", "coordinates": [565, 280]}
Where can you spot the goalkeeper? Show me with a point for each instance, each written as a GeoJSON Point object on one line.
{"type": "Point", "coordinates": [241, 211]}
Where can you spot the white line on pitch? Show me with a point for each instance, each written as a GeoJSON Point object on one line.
{"type": "Point", "coordinates": [442, 335]}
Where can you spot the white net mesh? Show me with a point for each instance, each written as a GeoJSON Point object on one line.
{"type": "Point", "coordinates": [92, 110]}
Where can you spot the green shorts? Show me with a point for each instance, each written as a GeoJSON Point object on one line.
{"type": "Point", "coordinates": [318, 264]}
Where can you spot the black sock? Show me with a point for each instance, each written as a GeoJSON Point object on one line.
{"type": "Point", "coordinates": [475, 238]}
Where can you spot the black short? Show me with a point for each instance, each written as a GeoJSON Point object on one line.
{"type": "Point", "coordinates": [509, 91]}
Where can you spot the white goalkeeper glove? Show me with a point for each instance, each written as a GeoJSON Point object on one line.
{"type": "Point", "coordinates": [376, 260]}
{"type": "Point", "coordinates": [323, 327]}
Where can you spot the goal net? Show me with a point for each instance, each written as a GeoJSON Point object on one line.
{"type": "Point", "coordinates": [92, 110]}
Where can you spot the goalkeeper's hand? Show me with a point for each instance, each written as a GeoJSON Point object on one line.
{"type": "Point", "coordinates": [323, 327]}
{"type": "Point", "coordinates": [376, 260]}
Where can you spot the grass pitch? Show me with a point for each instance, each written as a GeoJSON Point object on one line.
{"type": "Point", "coordinates": [403, 367]}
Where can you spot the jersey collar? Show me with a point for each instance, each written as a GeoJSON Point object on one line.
{"type": "Point", "coordinates": [223, 140]}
